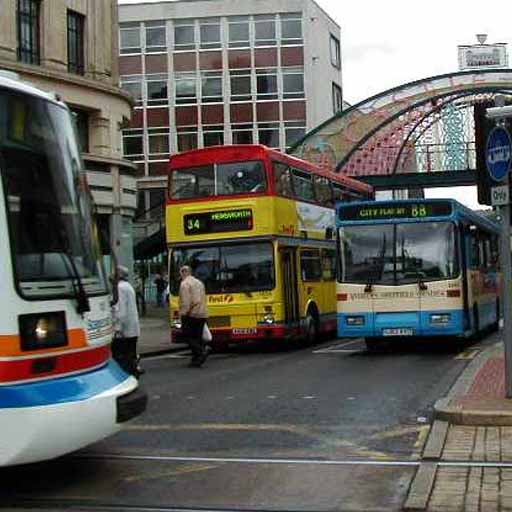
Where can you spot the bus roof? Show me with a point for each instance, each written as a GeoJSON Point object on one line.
{"type": "Point", "coordinates": [458, 210]}
{"type": "Point", "coordinates": [10, 80]}
{"type": "Point", "coordinates": [197, 157]}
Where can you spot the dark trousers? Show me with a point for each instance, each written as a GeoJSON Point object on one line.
{"type": "Point", "coordinates": [193, 334]}
{"type": "Point", "coordinates": [124, 351]}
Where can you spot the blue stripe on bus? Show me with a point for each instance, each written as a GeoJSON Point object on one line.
{"type": "Point", "coordinates": [62, 390]}
{"type": "Point", "coordinates": [419, 322]}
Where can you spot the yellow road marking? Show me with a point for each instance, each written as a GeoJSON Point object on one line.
{"type": "Point", "coordinates": [422, 436]}
{"type": "Point", "coordinates": [188, 468]}
{"type": "Point", "coordinates": [467, 354]}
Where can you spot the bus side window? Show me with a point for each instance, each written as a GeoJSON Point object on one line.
{"type": "Point", "coordinates": [310, 265]}
{"type": "Point", "coordinates": [323, 191]}
{"type": "Point", "coordinates": [328, 264]}
{"type": "Point", "coordinates": [303, 185]}
{"type": "Point", "coordinates": [283, 179]}
{"type": "Point", "coordinates": [474, 251]}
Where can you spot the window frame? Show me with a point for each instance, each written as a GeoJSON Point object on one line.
{"type": "Point", "coordinates": [335, 51]}
{"type": "Point", "coordinates": [28, 16]}
{"type": "Point", "coordinates": [76, 35]}
{"type": "Point", "coordinates": [317, 277]}
{"type": "Point", "coordinates": [337, 98]}
{"type": "Point", "coordinates": [130, 50]}
{"type": "Point", "coordinates": [155, 25]}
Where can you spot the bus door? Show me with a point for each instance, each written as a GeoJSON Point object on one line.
{"type": "Point", "coordinates": [289, 285]}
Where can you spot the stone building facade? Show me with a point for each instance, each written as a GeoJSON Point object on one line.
{"type": "Point", "coordinates": [70, 47]}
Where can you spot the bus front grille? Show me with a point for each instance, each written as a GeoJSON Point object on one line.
{"type": "Point", "coordinates": [219, 321]}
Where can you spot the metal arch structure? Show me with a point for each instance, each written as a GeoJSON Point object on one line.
{"type": "Point", "coordinates": [419, 133]}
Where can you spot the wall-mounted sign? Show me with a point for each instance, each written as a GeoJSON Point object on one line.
{"type": "Point", "coordinates": [480, 56]}
{"type": "Point", "coordinates": [498, 153]}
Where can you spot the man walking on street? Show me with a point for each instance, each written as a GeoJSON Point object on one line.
{"type": "Point", "coordinates": [124, 346]}
{"type": "Point", "coordinates": [193, 313]}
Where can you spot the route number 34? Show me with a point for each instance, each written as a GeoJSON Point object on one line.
{"type": "Point", "coordinates": [419, 211]}
{"type": "Point", "coordinates": [192, 224]}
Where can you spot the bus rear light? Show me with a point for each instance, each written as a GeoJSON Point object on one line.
{"type": "Point", "coordinates": [453, 293]}
{"type": "Point", "coordinates": [342, 297]}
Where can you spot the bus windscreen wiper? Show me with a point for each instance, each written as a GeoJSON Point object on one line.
{"type": "Point", "coordinates": [82, 299]}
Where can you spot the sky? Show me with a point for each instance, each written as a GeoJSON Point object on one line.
{"type": "Point", "coordinates": [385, 44]}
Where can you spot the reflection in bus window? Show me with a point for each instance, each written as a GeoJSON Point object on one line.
{"type": "Point", "coordinates": [220, 179]}
{"type": "Point", "coordinates": [303, 186]}
{"type": "Point", "coordinates": [193, 182]}
{"type": "Point", "coordinates": [240, 178]}
{"type": "Point", "coordinates": [283, 179]}
{"type": "Point", "coordinates": [399, 254]}
{"type": "Point", "coordinates": [233, 268]}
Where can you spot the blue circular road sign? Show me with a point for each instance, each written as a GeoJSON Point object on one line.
{"type": "Point", "coordinates": [498, 153]}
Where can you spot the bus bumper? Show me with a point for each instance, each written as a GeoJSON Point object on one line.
{"type": "Point", "coordinates": [407, 323]}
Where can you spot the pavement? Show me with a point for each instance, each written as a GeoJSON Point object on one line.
{"type": "Point", "coordinates": [466, 463]}
{"type": "Point", "coordinates": [155, 335]}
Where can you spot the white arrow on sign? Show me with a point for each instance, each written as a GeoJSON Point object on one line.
{"type": "Point", "coordinates": [500, 196]}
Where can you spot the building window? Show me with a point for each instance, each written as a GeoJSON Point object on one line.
{"type": "Point", "coordinates": [265, 31]}
{"type": "Point", "coordinates": [293, 132]}
{"type": "Point", "coordinates": [75, 42]}
{"type": "Point", "coordinates": [242, 133]}
{"type": "Point", "coordinates": [266, 84]}
{"type": "Point", "coordinates": [28, 31]}
{"type": "Point", "coordinates": [293, 83]}
{"type": "Point", "coordinates": [133, 85]}
{"type": "Point", "coordinates": [185, 88]}
{"type": "Point", "coordinates": [129, 38]}
{"type": "Point", "coordinates": [241, 85]}
{"type": "Point", "coordinates": [209, 31]}
{"type": "Point", "coordinates": [82, 128]}
{"type": "Point", "coordinates": [133, 145]}
{"type": "Point", "coordinates": [268, 134]}
{"type": "Point", "coordinates": [211, 87]}
{"type": "Point", "coordinates": [238, 31]}
{"type": "Point", "coordinates": [158, 141]}
{"type": "Point", "coordinates": [155, 36]}
{"type": "Point", "coordinates": [187, 138]}
{"type": "Point", "coordinates": [291, 29]}
{"type": "Point", "coordinates": [184, 35]}
{"type": "Point", "coordinates": [335, 52]}
{"type": "Point", "coordinates": [156, 87]}
{"type": "Point", "coordinates": [213, 135]}
{"type": "Point", "coordinates": [337, 102]}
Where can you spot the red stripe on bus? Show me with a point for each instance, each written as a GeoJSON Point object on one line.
{"type": "Point", "coordinates": [35, 368]}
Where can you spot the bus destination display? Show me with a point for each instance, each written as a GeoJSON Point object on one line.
{"type": "Point", "coordinates": [395, 211]}
{"type": "Point", "coordinates": [218, 221]}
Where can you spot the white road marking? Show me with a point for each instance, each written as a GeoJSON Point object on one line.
{"type": "Point", "coordinates": [339, 347]}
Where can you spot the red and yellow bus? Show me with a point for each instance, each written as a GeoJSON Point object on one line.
{"type": "Point", "coordinates": [257, 227]}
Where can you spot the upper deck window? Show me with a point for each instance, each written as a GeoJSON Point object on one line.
{"type": "Point", "coordinates": [236, 178]}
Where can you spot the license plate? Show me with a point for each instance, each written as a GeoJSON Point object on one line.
{"type": "Point", "coordinates": [397, 332]}
{"type": "Point", "coordinates": [241, 332]}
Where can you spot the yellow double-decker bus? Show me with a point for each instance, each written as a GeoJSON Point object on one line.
{"type": "Point", "coordinates": [258, 228]}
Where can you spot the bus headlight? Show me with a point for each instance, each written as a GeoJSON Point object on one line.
{"type": "Point", "coordinates": [45, 330]}
{"type": "Point", "coordinates": [442, 318]}
{"type": "Point", "coordinates": [355, 320]}
{"type": "Point", "coordinates": [268, 318]}
{"type": "Point", "coordinates": [176, 323]}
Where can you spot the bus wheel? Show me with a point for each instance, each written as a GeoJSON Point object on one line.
{"type": "Point", "coordinates": [311, 328]}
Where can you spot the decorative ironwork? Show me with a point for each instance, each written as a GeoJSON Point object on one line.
{"type": "Point", "coordinates": [424, 126]}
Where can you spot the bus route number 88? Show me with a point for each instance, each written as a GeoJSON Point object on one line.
{"type": "Point", "coordinates": [418, 211]}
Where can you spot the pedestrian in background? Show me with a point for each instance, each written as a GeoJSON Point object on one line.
{"type": "Point", "coordinates": [139, 293]}
{"type": "Point", "coordinates": [193, 313]}
{"type": "Point", "coordinates": [160, 284]}
{"type": "Point", "coordinates": [126, 325]}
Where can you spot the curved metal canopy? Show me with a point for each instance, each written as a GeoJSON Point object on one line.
{"type": "Point", "coordinates": [426, 125]}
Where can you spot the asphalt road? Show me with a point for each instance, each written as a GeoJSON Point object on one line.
{"type": "Point", "coordinates": [329, 427]}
